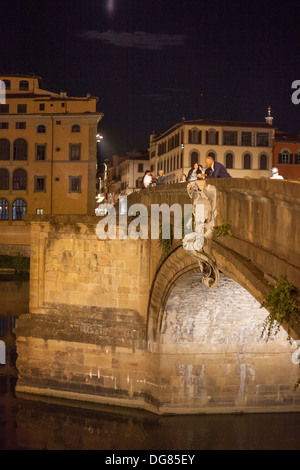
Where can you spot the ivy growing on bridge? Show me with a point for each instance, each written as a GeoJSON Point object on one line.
{"type": "Point", "coordinates": [223, 229]}
{"type": "Point", "coordinates": [282, 305]}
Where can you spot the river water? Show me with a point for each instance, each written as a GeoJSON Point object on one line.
{"type": "Point", "coordinates": [27, 423]}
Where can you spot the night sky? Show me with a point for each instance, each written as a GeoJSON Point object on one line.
{"type": "Point", "coordinates": [154, 62]}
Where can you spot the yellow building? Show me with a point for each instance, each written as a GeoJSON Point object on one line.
{"type": "Point", "coordinates": [244, 148]}
{"type": "Point", "coordinates": [48, 156]}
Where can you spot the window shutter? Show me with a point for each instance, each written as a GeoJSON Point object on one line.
{"type": "Point", "coordinates": [217, 138]}
{"type": "Point", "coordinates": [206, 137]}
{"type": "Point", "coordinates": [280, 158]}
{"type": "Point", "coordinates": [291, 159]}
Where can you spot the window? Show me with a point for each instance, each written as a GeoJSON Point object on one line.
{"type": "Point", "coordinates": [229, 138]}
{"type": "Point", "coordinates": [263, 162]}
{"type": "Point", "coordinates": [41, 129]}
{"type": "Point", "coordinates": [40, 211]}
{"type": "Point", "coordinates": [20, 125]}
{"type": "Point", "coordinates": [297, 158]}
{"type": "Point", "coordinates": [24, 85]}
{"type": "Point", "coordinates": [19, 209]}
{"type": "Point", "coordinates": [4, 108]}
{"type": "Point", "coordinates": [194, 136]}
{"type": "Point", "coordinates": [194, 158]}
{"type": "Point", "coordinates": [22, 108]}
{"type": "Point", "coordinates": [3, 209]}
{"type": "Point", "coordinates": [20, 149]}
{"type": "Point", "coordinates": [75, 151]}
{"type": "Point", "coordinates": [4, 179]}
{"type": "Point", "coordinates": [7, 84]}
{"type": "Point", "coordinates": [40, 152]}
{"type": "Point", "coordinates": [58, 123]}
{"type": "Point", "coordinates": [3, 125]}
{"type": "Point", "coordinates": [140, 167]}
{"type": "Point", "coordinates": [262, 139]}
{"type": "Point", "coordinates": [74, 184]}
{"type": "Point", "coordinates": [40, 183]}
{"type": "Point", "coordinates": [212, 137]}
{"type": "Point", "coordinates": [247, 161]}
{"type": "Point", "coordinates": [285, 158]}
{"type": "Point", "coordinates": [42, 106]}
{"type": "Point", "coordinates": [76, 128]}
{"type": "Point", "coordinates": [19, 180]}
{"type": "Point", "coordinates": [246, 139]}
{"type": "Point", "coordinates": [229, 160]}
{"type": "Point", "coordinates": [4, 149]}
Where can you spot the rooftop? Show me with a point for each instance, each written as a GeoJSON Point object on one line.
{"type": "Point", "coordinates": [214, 123]}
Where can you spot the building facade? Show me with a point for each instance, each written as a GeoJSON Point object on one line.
{"type": "Point", "coordinates": [244, 148]}
{"type": "Point", "coordinates": [48, 155]}
{"type": "Point", "coordinates": [126, 173]}
{"type": "Point", "coordinates": [286, 154]}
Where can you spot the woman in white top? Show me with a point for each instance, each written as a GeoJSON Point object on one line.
{"type": "Point", "coordinates": [147, 179]}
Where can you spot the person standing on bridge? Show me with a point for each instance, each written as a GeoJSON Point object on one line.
{"type": "Point", "coordinates": [217, 169]}
{"type": "Point", "coordinates": [147, 179]}
{"type": "Point", "coordinates": [161, 178]}
{"type": "Point", "coordinates": [275, 174]}
{"type": "Point", "coordinates": [193, 173]}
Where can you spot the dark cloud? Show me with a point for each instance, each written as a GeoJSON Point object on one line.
{"type": "Point", "coordinates": [138, 39]}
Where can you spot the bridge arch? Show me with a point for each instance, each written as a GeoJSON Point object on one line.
{"type": "Point", "coordinates": [181, 262]}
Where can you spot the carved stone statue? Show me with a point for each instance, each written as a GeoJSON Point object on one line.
{"type": "Point", "coordinates": [204, 199]}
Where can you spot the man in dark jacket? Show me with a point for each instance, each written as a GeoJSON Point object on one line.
{"type": "Point", "coordinates": [217, 169]}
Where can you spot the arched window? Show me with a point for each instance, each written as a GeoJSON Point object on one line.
{"type": "Point", "coordinates": [75, 128]}
{"type": "Point", "coordinates": [4, 179]}
{"type": "Point", "coordinates": [247, 161]}
{"type": "Point", "coordinates": [263, 162]}
{"type": "Point", "coordinates": [41, 129]}
{"type": "Point", "coordinates": [194, 158]}
{"type": "Point", "coordinates": [285, 157]}
{"type": "Point", "coordinates": [212, 137]}
{"type": "Point", "coordinates": [194, 136]}
{"type": "Point", "coordinates": [20, 149]}
{"type": "Point", "coordinates": [7, 84]}
{"type": "Point", "coordinates": [24, 85]}
{"type": "Point", "coordinates": [4, 149]}
{"type": "Point", "coordinates": [229, 160]}
{"type": "Point", "coordinates": [19, 209]}
{"type": "Point", "coordinates": [20, 179]}
{"type": "Point", "coordinates": [212, 155]}
{"type": "Point", "coordinates": [3, 209]}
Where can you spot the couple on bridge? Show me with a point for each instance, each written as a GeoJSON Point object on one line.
{"type": "Point", "coordinates": [214, 170]}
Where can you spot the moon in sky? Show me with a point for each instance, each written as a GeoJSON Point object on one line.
{"type": "Point", "coordinates": [110, 6]}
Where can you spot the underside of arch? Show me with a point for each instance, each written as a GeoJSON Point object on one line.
{"type": "Point", "coordinates": [181, 262]}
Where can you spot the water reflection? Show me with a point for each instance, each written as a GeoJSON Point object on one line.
{"type": "Point", "coordinates": [28, 423]}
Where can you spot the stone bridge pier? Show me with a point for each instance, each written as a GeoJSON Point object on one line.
{"type": "Point", "coordinates": [120, 322]}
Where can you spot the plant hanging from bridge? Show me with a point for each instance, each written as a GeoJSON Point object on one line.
{"type": "Point", "coordinates": [281, 303]}
{"type": "Point", "coordinates": [223, 229]}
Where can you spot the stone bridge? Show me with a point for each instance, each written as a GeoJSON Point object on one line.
{"type": "Point", "coordinates": [121, 322]}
